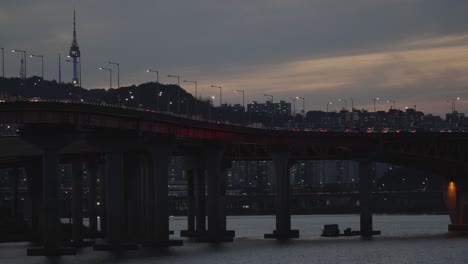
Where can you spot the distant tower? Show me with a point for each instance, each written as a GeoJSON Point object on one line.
{"type": "Point", "coordinates": [75, 53]}
{"type": "Point", "coordinates": [22, 73]}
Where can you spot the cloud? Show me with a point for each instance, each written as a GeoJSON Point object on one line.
{"type": "Point", "coordinates": [323, 48]}
{"type": "Point", "coordinates": [413, 75]}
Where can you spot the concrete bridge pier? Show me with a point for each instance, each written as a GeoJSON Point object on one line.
{"type": "Point", "coordinates": [102, 208]}
{"type": "Point", "coordinates": [135, 174]}
{"type": "Point", "coordinates": [190, 174]}
{"type": "Point", "coordinates": [93, 170]}
{"type": "Point", "coordinates": [115, 205]}
{"type": "Point", "coordinates": [14, 178]}
{"type": "Point", "coordinates": [157, 195]}
{"type": "Point", "coordinates": [196, 180]}
{"type": "Point", "coordinates": [280, 162]}
{"type": "Point", "coordinates": [33, 167]}
{"type": "Point", "coordinates": [200, 199]}
{"type": "Point", "coordinates": [456, 199]}
{"type": "Point", "coordinates": [365, 192]}
{"type": "Point", "coordinates": [77, 202]}
{"type": "Point", "coordinates": [216, 198]}
{"type": "Point", "coordinates": [52, 233]}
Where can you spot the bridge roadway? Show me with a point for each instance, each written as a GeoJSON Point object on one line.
{"type": "Point", "coordinates": [128, 150]}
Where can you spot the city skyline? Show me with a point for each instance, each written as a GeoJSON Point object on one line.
{"type": "Point", "coordinates": [411, 52]}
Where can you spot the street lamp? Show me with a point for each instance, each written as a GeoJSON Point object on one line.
{"type": "Point", "coordinates": [293, 99]}
{"type": "Point", "coordinates": [110, 75]}
{"type": "Point", "coordinates": [3, 62]}
{"type": "Point", "coordinates": [196, 101]}
{"type": "Point", "coordinates": [243, 98]}
{"type": "Point", "coordinates": [118, 72]}
{"type": "Point", "coordinates": [453, 103]}
{"type": "Point", "coordinates": [157, 88]}
{"type": "Point", "coordinates": [345, 102]}
{"type": "Point", "coordinates": [42, 63]}
{"type": "Point", "coordinates": [25, 64]}
{"type": "Point", "coordinates": [209, 107]}
{"type": "Point", "coordinates": [303, 103]}
{"type": "Point", "coordinates": [375, 99]}
{"type": "Point", "coordinates": [392, 101]}
{"type": "Point", "coordinates": [220, 94]}
{"type": "Point", "coordinates": [178, 90]}
{"type": "Point", "coordinates": [329, 103]}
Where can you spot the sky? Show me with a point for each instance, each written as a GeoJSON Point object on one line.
{"type": "Point", "coordinates": [413, 52]}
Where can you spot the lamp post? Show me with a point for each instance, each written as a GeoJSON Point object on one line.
{"type": "Point", "coordinates": [392, 101]}
{"type": "Point", "coordinates": [157, 87]}
{"type": "Point", "coordinates": [453, 100]}
{"type": "Point", "coordinates": [169, 106]}
{"type": "Point", "coordinates": [42, 63]}
{"type": "Point", "coordinates": [375, 99]}
{"type": "Point", "coordinates": [303, 103]}
{"type": "Point", "coordinates": [243, 102]}
{"type": "Point", "coordinates": [345, 102]}
{"type": "Point", "coordinates": [118, 71]}
{"type": "Point", "coordinates": [25, 64]}
{"type": "Point", "coordinates": [293, 99]}
{"type": "Point", "coordinates": [243, 98]}
{"type": "Point", "coordinates": [329, 103]}
{"type": "Point", "coordinates": [178, 90]}
{"type": "Point", "coordinates": [110, 75]}
{"type": "Point", "coordinates": [196, 101]}
{"type": "Point", "coordinates": [220, 94]}
{"type": "Point", "coordinates": [209, 107]}
{"type": "Point", "coordinates": [3, 62]}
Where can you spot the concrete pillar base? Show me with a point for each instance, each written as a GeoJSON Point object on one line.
{"type": "Point", "coordinates": [102, 245]}
{"type": "Point", "coordinates": [288, 235]}
{"type": "Point", "coordinates": [459, 228]}
{"type": "Point", "coordinates": [43, 251]}
{"type": "Point", "coordinates": [79, 244]}
{"type": "Point", "coordinates": [204, 236]}
{"type": "Point", "coordinates": [163, 243]}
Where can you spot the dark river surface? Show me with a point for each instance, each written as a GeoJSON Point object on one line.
{"type": "Point", "coordinates": [404, 239]}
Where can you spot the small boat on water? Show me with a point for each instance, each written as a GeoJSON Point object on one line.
{"type": "Point", "coordinates": [330, 230]}
{"type": "Point", "coordinates": [333, 231]}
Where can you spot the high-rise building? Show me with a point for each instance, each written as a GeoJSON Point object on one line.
{"type": "Point", "coordinates": [75, 54]}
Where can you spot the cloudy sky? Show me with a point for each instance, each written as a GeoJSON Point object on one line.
{"type": "Point", "coordinates": [412, 51]}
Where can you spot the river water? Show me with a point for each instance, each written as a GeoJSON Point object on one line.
{"type": "Point", "coordinates": [404, 239]}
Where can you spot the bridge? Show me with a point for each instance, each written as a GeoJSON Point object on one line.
{"type": "Point", "coordinates": [128, 150]}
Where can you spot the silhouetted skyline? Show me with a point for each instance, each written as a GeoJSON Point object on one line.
{"type": "Point", "coordinates": [414, 52]}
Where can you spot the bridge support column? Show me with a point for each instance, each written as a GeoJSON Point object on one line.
{"type": "Point", "coordinates": [190, 200]}
{"type": "Point", "coordinates": [92, 198]}
{"type": "Point", "coordinates": [33, 168]}
{"type": "Point", "coordinates": [50, 208]}
{"type": "Point", "coordinates": [157, 195]}
{"type": "Point", "coordinates": [365, 192]}
{"type": "Point", "coordinates": [456, 199]}
{"type": "Point", "coordinates": [200, 199]}
{"type": "Point", "coordinates": [115, 204]}
{"type": "Point", "coordinates": [102, 209]}
{"type": "Point", "coordinates": [196, 176]}
{"type": "Point", "coordinates": [14, 177]}
{"type": "Point", "coordinates": [77, 202]}
{"type": "Point", "coordinates": [216, 196]}
{"type": "Point", "coordinates": [280, 162]}
{"type": "Point", "coordinates": [135, 172]}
